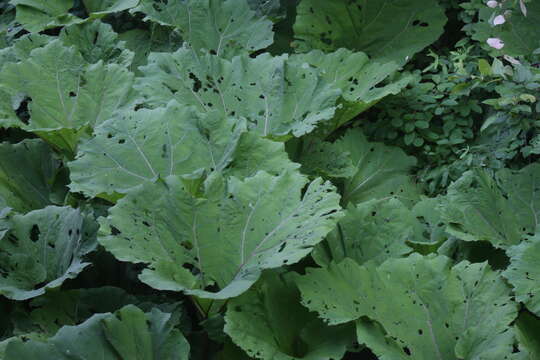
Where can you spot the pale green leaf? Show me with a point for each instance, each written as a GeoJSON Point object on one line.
{"type": "Point", "coordinates": [42, 249]}
{"type": "Point", "coordinates": [277, 98]}
{"type": "Point", "coordinates": [358, 78]}
{"type": "Point", "coordinates": [268, 322]}
{"type": "Point", "coordinates": [65, 95]}
{"type": "Point", "coordinates": [223, 27]}
{"type": "Point", "coordinates": [426, 307]}
{"type": "Point", "coordinates": [99, 8]}
{"type": "Point", "coordinates": [384, 29]}
{"type": "Point", "coordinates": [140, 146]}
{"type": "Point", "coordinates": [127, 334]}
{"type": "Point", "coordinates": [254, 153]}
{"type": "Point", "coordinates": [38, 15]}
{"type": "Point", "coordinates": [258, 223]}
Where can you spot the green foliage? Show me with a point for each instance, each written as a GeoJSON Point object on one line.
{"type": "Point", "coordinates": [269, 179]}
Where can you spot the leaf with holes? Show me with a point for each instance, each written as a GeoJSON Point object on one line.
{"type": "Point", "coordinates": [97, 41]}
{"type": "Point", "coordinates": [268, 322]}
{"type": "Point", "coordinates": [223, 27]}
{"type": "Point", "coordinates": [363, 25]}
{"type": "Point", "coordinates": [276, 98]}
{"type": "Point", "coordinates": [42, 249]}
{"type": "Point", "coordinates": [360, 80]}
{"type": "Point", "coordinates": [30, 175]}
{"type": "Point", "coordinates": [321, 158]}
{"type": "Point", "coordinates": [524, 273]}
{"type": "Point", "coordinates": [373, 230]}
{"type": "Point", "coordinates": [140, 146]}
{"type": "Point", "coordinates": [431, 310]}
{"type": "Point", "coordinates": [127, 334]}
{"type": "Point", "coordinates": [501, 209]}
{"type": "Point", "coordinates": [64, 94]}
{"type": "Point", "coordinates": [218, 246]}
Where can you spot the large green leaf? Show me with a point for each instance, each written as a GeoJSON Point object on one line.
{"type": "Point", "coordinates": [64, 94]}
{"type": "Point", "coordinates": [99, 8]}
{"type": "Point", "coordinates": [254, 154]}
{"type": "Point", "coordinates": [140, 146]}
{"type": "Point", "coordinates": [373, 230]}
{"type": "Point", "coordinates": [422, 307]}
{"type": "Point", "coordinates": [384, 29]}
{"type": "Point", "coordinates": [500, 209]}
{"type": "Point", "coordinates": [277, 98]}
{"type": "Point", "coordinates": [223, 27]}
{"type": "Point", "coordinates": [97, 41]}
{"type": "Point", "coordinates": [524, 272]}
{"type": "Point", "coordinates": [380, 171]}
{"type": "Point", "coordinates": [269, 323]}
{"type": "Point", "coordinates": [127, 334]}
{"type": "Point", "coordinates": [38, 15]}
{"type": "Point", "coordinates": [142, 42]}
{"type": "Point", "coordinates": [42, 249]}
{"type": "Point", "coordinates": [321, 158]}
{"type": "Point", "coordinates": [227, 239]}
{"type": "Point", "coordinates": [358, 78]}
{"type": "Point", "coordinates": [28, 174]}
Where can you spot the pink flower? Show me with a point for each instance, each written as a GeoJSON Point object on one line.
{"type": "Point", "coordinates": [499, 20]}
{"type": "Point", "coordinates": [492, 3]}
{"type": "Point", "coordinates": [495, 43]}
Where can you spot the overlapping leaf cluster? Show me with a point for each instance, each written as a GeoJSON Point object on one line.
{"type": "Point", "coordinates": [187, 180]}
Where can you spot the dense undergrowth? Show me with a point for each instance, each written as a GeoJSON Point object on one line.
{"type": "Point", "coordinates": [256, 179]}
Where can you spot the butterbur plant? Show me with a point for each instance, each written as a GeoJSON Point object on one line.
{"type": "Point", "coordinates": [265, 179]}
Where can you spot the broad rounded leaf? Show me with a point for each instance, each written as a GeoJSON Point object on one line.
{"type": "Point", "coordinates": [42, 249]}
{"type": "Point", "coordinates": [269, 323]}
{"type": "Point", "coordinates": [381, 171]}
{"type": "Point", "coordinates": [501, 210]}
{"type": "Point", "coordinates": [373, 230]}
{"type": "Point", "coordinates": [524, 272]}
{"type": "Point", "coordinates": [140, 146]}
{"type": "Point", "coordinates": [82, 95]}
{"type": "Point", "coordinates": [97, 41]}
{"type": "Point", "coordinates": [127, 334]}
{"type": "Point", "coordinates": [431, 310]}
{"type": "Point", "coordinates": [384, 29]}
{"type": "Point", "coordinates": [254, 153]}
{"type": "Point", "coordinates": [38, 15]}
{"type": "Point", "coordinates": [276, 98]}
{"type": "Point", "coordinates": [358, 78]}
{"type": "Point", "coordinates": [259, 223]}
{"type": "Point", "coordinates": [223, 27]}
